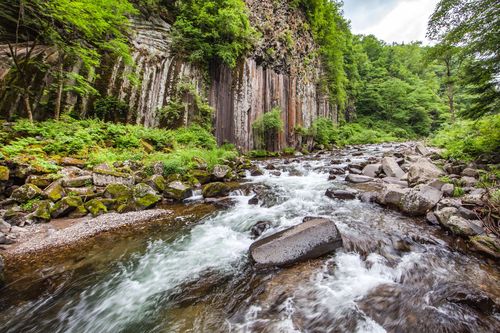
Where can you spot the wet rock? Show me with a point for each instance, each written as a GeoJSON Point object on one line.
{"type": "Point", "coordinates": [336, 171]}
{"type": "Point", "coordinates": [332, 177]}
{"type": "Point", "coordinates": [295, 173]}
{"type": "Point", "coordinates": [55, 191]}
{"type": "Point", "coordinates": [221, 171]}
{"type": "Point", "coordinates": [305, 241]}
{"type": "Point", "coordinates": [355, 171]}
{"type": "Point", "coordinates": [358, 179]}
{"type": "Point", "coordinates": [260, 227]}
{"type": "Point", "coordinates": [69, 161]}
{"type": "Point", "coordinates": [270, 166]}
{"type": "Point", "coordinates": [448, 189]}
{"type": "Point", "coordinates": [119, 192]}
{"type": "Point", "coordinates": [2, 277]}
{"type": "Point", "coordinates": [420, 199]}
{"type": "Point", "coordinates": [144, 196]}
{"type": "Point", "coordinates": [202, 176]}
{"type": "Point", "coordinates": [469, 172]}
{"type": "Point", "coordinates": [421, 149]}
{"type": "Point", "coordinates": [423, 171]}
{"type": "Point", "coordinates": [4, 173]}
{"type": "Point", "coordinates": [391, 168]}
{"type": "Point", "coordinates": [256, 171]}
{"type": "Point", "coordinates": [157, 182]}
{"type": "Point", "coordinates": [486, 244]}
{"type": "Point", "coordinates": [396, 181]}
{"type": "Point", "coordinates": [26, 192]}
{"type": "Point", "coordinates": [471, 297]}
{"type": "Point", "coordinates": [66, 206]}
{"type": "Point", "coordinates": [368, 197]}
{"type": "Point", "coordinates": [341, 194]}
{"type": "Point", "coordinates": [253, 201]}
{"type": "Point", "coordinates": [372, 170]}
{"type": "Point", "coordinates": [275, 173]}
{"type": "Point", "coordinates": [96, 207]}
{"type": "Point", "coordinates": [177, 191]}
{"type": "Point", "coordinates": [215, 190]}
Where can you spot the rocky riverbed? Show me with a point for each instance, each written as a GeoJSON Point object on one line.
{"type": "Point", "coordinates": [396, 268]}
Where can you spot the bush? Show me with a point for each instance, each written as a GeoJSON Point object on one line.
{"type": "Point", "coordinates": [468, 139]}
{"type": "Point", "coordinates": [266, 129]}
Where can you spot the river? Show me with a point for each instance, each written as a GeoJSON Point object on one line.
{"type": "Point", "coordinates": [394, 274]}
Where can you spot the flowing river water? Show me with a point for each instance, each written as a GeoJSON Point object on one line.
{"type": "Point", "coordinates": [394, 274]}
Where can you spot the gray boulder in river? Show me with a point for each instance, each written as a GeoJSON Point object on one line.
{"type": "Point", "coordinates": [305, 241]}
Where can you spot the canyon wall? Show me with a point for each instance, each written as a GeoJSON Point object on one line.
{"type": "Point", "coordinates": [281, 72]}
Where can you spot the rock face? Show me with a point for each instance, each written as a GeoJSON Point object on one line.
{"type": "Point", "coordinates": [307, 240]}
{"type": "Point", "coordinates": [423, 171]}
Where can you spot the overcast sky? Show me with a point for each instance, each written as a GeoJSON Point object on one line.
{"type": "Point", "coordinates": [390, 20]}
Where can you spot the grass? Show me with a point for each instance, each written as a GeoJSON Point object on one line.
{"type": "Point", "coordinates": [43, 144]}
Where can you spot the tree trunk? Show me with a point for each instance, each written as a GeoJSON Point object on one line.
{"type": "Point", "coordinates": [60, 88]}
{"type": "Point", "coordinates": [450, 91]}
{"type": "Point", "coordinates": [27, 106]}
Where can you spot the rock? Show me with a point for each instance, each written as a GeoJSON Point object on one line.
{"type": "Point", "coordinates": [260, 227]}
{"type": "Point", "coordinates": [69, 161]}
{"type": "Point", "coordinates": [469, 172]}
{"type": "Point", "coordinates": [355, 171]}
{"type": "Point", "coordinates": [295, 173]}
{"type": "Point", "coordinates": [202, 176]}
{"type": "Point", "coordinates": [305, 241]}
{"type": "Point", "coordinates": [341, 194]}
{"type": "Point", "coordinates": [332, 177]}
{"type": "Point", "coordinates": [475, 198]}
{"type": "Point", "coordinates": [145, 196]}
{"type": "Point", "coordinates": [372, 170]}
{"type": "Point", "coordinates": [96, 207]}
{"type": "Point", "coordinates": [458, 225]}
{"type": "Point", "coordinates": [489, 245]}
{"type": "Point", "coordinates": [88, 191]}
{"type": "Point", "coordinates": [55, 191]}
{"type": "Point", "coordinates": [396, 181]}
{"type": "Point", "coordinates": [26, 192]}
{"type": "Point", "coordinates": [120, 192]}
{"type": "Point", "coordinates": [4, 173]}
{"type": "Point", "coordinates": [253, 201]}
{"type": "Point", "coordinates": [420, 199]}
{"type": "Point", "coordinates": [2, 277]}
{"type": "Point", "coordinates": [15, 216]}
{"type": "Point", "coordinates": [66, 206]}
{"type": "Point", "coordinates": [432, 218]}
{"type": "Point", "coordinates": [270, 166]}
{"type": "Point", "coordinates": [448, 189]}
{"type": "Point", "coordinates": [468, 181]}
{"type": "Point", "coordinates": [42, 212]}
{"type": "Point", "coordinates": [368, 197]}
{"type": "Point", "coordinates": [177, 191]}
{"type": "Point", "coordinates": [391, 168]}
{"type": "Point", "coordinates": [158, 168]}
{"type": "Point", "coordinates": [215, 190]}
{"type": "Point", "coordinates": [220, 171]}
{"type": "Point", "coordinates": [256, 171]}
{"type": "Point", "coordinates": [103, 177]}
{"type": "Point", "coordinates": [336, 171]}
{"type": "Point", "coordinates": [42, 181]}
{"type": "Point", "coordinates": [158, 182]}
{"type": "Point", "coordinates": [436, 183]}
{"type": "Point", "coordinates": [453, 168]}
{"type": "Point", "coordinates": [358, 178]}
{"type": "Point", "coordinates": [72, 172]}
{"type": "Point", "coordinates": [275, 173]}
{"type": "Point", "coordinates": [78, 181]}
{"type": "Point", "coordinates": [467, 213]}
{"type": "Point", "coordinates": [391, 195]}
{"type": "Point", "coordinates": [421, 149]}
{"type": "Point", "coordinates": [423, 171]}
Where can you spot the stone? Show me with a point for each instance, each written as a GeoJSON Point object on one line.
{"type": "Point", "coordinates": [253, 200]}
{"type": "Point", "coordinates": [221, 171]}
{"type": "Point", "coordinates": [462, 227]}
{"type": "Point", "coordinates": [432, 218]}
{"type": "Point", "coordinates": [157, 182]}
{"type": "Point", "coordinates": [215, 190]}
{"type": "Point", "coordinates": [391, 195]}
{"type": "Point", "coordinates": [26, 192]}
{"type": "Point", "coordinates": [475, 198]}
{"type": "Point", "coordinates": [469, 172]}
{"type": "Point", "coordinates": [486, 244]}
{"type": "Point", "coordinates": [423, 171]}
{"type": "Point", "coordinates": [275, 173]}
{"type": "Point", "coordinates": [88, 191]}
{"type": "Point", "coordinates": [372, 170]}
{"type": "Point", "coordinates": [355, 171]}
{"type": "Point", "coordinates": [256, 171]}
{"type": "Point", "coordinates": [15, 216]}
{"type": "Point", "coordinates": [420, 199]}
{"type": "Point", "coordinates": [468, 181]}
{"type": "Point", "coordinates": [467, 213]}
{"type": "Point", "coordinates": [145, 196]}
{"type": "Point", "coordinates": [158, 168]}
{"type": "Point", "coordinates": [260, 227]}
{"type": "Point", "coordinates": [447, 189]}
{"type": "Point", "coordinates": [103, 176]}
{"type": "Point", "coordinates": [78, 181]}
{"type": "Point", "coordinates": [391, 168]}
{"type": "Point", "coordinates": [2, 277]}
{"type": "Point", "coordinates": [421, 149]}
{"type": "Point", "coordinates": [332, 177]}
{"type": "Point", "coordinates": [42, 181]}
{"type": "Point", "coordinates": [4, 173]}
{"type": "Point", "coordinates": [368, 197]}
{"type": "Point", "coordinates": [177, 191]}
{"type": "Point", "coordinates": [66, 206]}
{"type": "Point", "coordinates": [270, 166]}
{"type": "Point", "coordinates": [69, 161]}
{"type": "Point", "coordinates": [202, 176]}
{"type": "Point", "coordinates": [120, 192]}
{"type": "Point", "coordinates": [453, 168]}
{"type": "Point", "coordinates": [336, 171]}
{"type": "Point", "coordinates": [96, 207]}
{"type": "Point", "coordinates": [305, 241]}
{"type": "Point", "coordinates": [55, 191]}
{"type": "Point", "coordinates": [396, 181]}
{"type": "Point", "coordinates": [358, 178]}
{"type": "Point", "coordinates": [341, 194]}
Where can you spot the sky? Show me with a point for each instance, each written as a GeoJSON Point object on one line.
{"type": "Point", "coordinates": [390, 20]}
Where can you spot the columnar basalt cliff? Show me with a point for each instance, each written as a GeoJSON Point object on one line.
{"type": "Point", "coordinates": [282, 72]}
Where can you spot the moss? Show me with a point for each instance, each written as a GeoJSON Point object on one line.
{"type": "Point", "coordinates": [202, 176]}
{"type": "Point", "coordinates": [67, 205]}
{"type": "Point", "coordinates": [42, 211]}
{"type": "Point", "coordinates": [26, 193]}
{"type": "Point", "coordinates": [214, 190]}
{"type": "Point", "coordinates": [120, 192]}
{"type": "Point", "coordinates": [158, 182]}
{"type": "Point", "coordinates": [145, 196]}
{"type": "Point", "coordinates": [55, 191]}
{"type": "Point", "coordinates": [96, 207]}
{"type": "Point", "coordinates": [4, 173]}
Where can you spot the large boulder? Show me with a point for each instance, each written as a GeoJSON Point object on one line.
{"type": "Point", "coordinates": [489, 245]}
{"type": "Point", "coordinates": [104, 175]}
{"type": "Point", "coordinates": [55, 191]}
{"type": "Point", "coordinates": [157, 182]}
{"type": "Point", "coordinates": [221, 171]}
{"type": "Point", "coordinates": [305, 241]}
{"type": "Point", "coordinates": [80, 181]}
{"type": "Point", "coordinates": [420, 199]}
{"type": "Point", "coordinates": [391, 195]}
{"type": "Point", "coordinates": [452, 219]}
{"type": "Point", "coordinates": [421, 149]}
{"type": "Point", "coordinates": [177, 191]}
{"type": "Point", "coordinates": [391, 168]}
{"type": "Point", "coordinates": [372, 170]}
{"type": "Point", "coordinates": [423, 171]}
{"type": "Point", "coordinates": [41, 212]}
{"type": "Point", "coordinates": [68, 205]}
{"type": "Point", "coordinates": [26, 192]}
{"type": "Point", "coordinates": [145, 196]}
{"type": "Point", "coordinates": [96, 207]}
{"type": "Point", "coordinates": [215, 190]}
{"type": "Point", "coordinates": [120, 192]}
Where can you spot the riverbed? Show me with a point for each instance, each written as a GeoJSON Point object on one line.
{"type": "Point", "coordinates": [394, 274]}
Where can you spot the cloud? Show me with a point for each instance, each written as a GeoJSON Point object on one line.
{"type": "Point", "coordinates": [392, 20]}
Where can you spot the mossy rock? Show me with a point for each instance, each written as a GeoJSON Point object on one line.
{"type": "Point", "coordinates": [15, 216]}
{"type": "Point", "coordinates": [120, 192]}
{"type": "Point", "coordinates": [4, 173]}
{"type": "Point", "coordinates": [158, 182]}
{"type": "Point", "coordinates": [145, 196]}
{"type": "Point", "coordinates": [96, 207]}
{"type": "Point", "coordinates": [126, 207]}
{"type": "Point", "coordinates": [216, 190]}
{"type": "Point", "coordinates": [487, 244]}
{"type": "Point", "coordinates": [81, 181]}
{"type": "Point", "coordinates": [67, 205]}
{"type": "Point", "coordinates": [26, 193]}
{"type": "Point", "coordinates": [42, 181]}
{"type": "Point", "coordinates": [80, 211]}
{"type": "Point", "coordinates": [177, 191]}
{"type": "Point", "coordinates": [202, 176]}
{"type": "Point", "coordinates": [55, 191]}
{"type": "Point", "coordinates": [42, 211]}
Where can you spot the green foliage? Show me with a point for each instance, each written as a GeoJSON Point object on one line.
{"type": "Point", "coordinates": [111, 109]}
{"type": "Point", "coordinates": [457, 192]}
{"type": "Point", "coordinates": [266, 128]}
{"type": "Point", "coordinates": [468, 139]}
{"type": "Point", "coordinates": [208, 30]}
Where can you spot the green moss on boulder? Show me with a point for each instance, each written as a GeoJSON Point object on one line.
{"type": "Point", "coordinates": [145, 196]}
{"type": "Point", "coordinates": [26, 193]}
{"type": "Point", "coordinates": [120, 192]}
{"type": "Point", "coordinates": [202, 176]}
{"type": "Point", "coordinates": [42, 211]}
{"type": "Point", "coordinates": [66, 206]}
{"type": "Point", "coordinates": [216, 190]}
{"type": "Point", "coordinates": [177, 191]}
{"type": "Point", "coordinates": [4, 173]}
{"type": "Point", "coordinates": [158, 182]}
{"type": "Point", "coordinates": [55, 191]}
{"type": "Point", "coordinates": [96, 207]}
